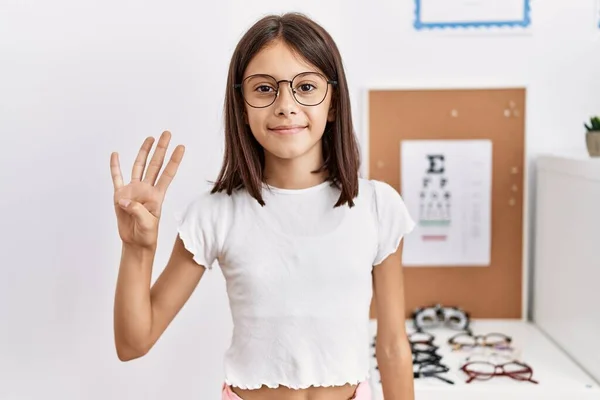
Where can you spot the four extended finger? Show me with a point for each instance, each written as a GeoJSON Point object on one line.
{"type": "Point", "coordinates": [140, 162]}
{"type": "Point", "coordinates": [115, 171]}
{"type": "Point", "coordinates": [157, 158]}
{"type": "Point", "coordinates": [171, 169]}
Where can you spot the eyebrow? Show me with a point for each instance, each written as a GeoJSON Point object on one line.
{"type": "Point", "coordinates": [291, 76]}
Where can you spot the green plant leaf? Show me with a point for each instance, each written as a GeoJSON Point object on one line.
{"type": "Point", "coordinates": [594, 124]}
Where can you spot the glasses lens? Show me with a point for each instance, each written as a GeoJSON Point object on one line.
{"type": "Point", "coordinates": [432, 368]}
{"type": "Point", "coordinates": [456, 319]}
{"type": "Point", "coordinates": [259, 90]}
{"type": "Point", "coordinates": [310, 88]}
{"type": "Point", "coordinates": [426, 318]}
{"type": "Point", "coordinates": [421, 358]}
{"type": "Point", "coordinates": [480, 370]}
{"type": "Point", "coordinates": [423, 347]}
{"type": "Point", "coordinates": [464, 340]}
{"type": "Point", "coordinates": [421, 337]}
{"type": "Point", "coordinates": [518, 371]}
{"type": "Point", "coordinates": [497, 340]}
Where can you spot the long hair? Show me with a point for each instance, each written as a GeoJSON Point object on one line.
{"type": "Point", "coordinates": [244, 160]}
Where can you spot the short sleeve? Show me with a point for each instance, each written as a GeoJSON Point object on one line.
{"type": "Point", "coordinates": [393, 220]}
{"type": "Point", "coordinates": [197, 229]}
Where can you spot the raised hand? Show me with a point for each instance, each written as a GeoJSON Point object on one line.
{"type": "Point", "coordinates": [138, 204]}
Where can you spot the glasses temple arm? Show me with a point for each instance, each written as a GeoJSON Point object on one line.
{"type": "Point", "coordinates": [444, 379]}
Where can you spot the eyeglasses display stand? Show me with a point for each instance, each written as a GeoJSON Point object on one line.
{"type": "Point", "coordinates": [551, 374]}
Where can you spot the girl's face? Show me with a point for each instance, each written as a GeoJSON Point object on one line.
{"type": "Point", "coordinates": [287, 129]}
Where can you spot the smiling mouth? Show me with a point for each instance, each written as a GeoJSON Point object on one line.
{"type": "Point", "coordinates": [288, 130]}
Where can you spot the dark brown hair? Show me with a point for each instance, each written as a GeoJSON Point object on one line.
{"type": "Point", "coordinates": [243, 162]}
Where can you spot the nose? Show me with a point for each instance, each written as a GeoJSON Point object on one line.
{"type": "Point", "coordinates": [285, 104]}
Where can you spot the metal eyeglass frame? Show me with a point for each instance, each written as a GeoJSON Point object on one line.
{"type": "Point", "coordinates": [239, 87]}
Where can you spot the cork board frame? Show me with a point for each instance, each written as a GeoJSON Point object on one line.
{"type": "Point", "coordinates": [498, 291]}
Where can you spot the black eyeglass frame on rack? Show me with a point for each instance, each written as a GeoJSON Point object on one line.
{"type": "Point", "coordinates": [432, 370]}
{"type": "Point", "coordinates": [435, 316]}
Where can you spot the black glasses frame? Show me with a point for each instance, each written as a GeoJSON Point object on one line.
{"type": "Point", "coordinates": [432, 370]}
{"type": "Point", "coordinates": [424, 347]}
{"type": "Point", "coordinates": [450, 317]}
{"type": "Point", "coordinates": [423, 357]}
{"type": "Point", "coordinates": [426, 337]}
{"type": "Point", "coordinates": [239, 86]}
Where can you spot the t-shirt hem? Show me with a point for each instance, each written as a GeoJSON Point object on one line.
{"type": "Point", "coordinates": [296, 385]}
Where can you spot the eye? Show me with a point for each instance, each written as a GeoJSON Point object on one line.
{"type": "Point", "coordinates": [264, 89]}
{"type": "Point", "coordinates": [306, 87]}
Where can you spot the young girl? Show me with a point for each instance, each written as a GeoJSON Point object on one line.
{"type": "Point", "coordinates": [303, 242]}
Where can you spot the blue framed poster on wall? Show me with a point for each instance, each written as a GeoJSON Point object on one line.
{"type": "Point", "coordinates": [472, 14]}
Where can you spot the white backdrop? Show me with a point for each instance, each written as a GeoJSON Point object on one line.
{"type": "Point", "coordinates": [79, 79]}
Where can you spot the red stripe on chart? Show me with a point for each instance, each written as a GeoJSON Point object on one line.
{"type": "Point", "coordinates": [437, 238]}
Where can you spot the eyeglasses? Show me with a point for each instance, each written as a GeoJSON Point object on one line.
{"type": "Point", "coordinates": [261, 90]}
{"type": "Point", "coordinates": [421, 337]}
{"type": "Point", "coordinates": [432, 370]}
{"type": "Point", "coordinates": [482, 370]}
{"type": "Point", "coordinates": [431, 317]}
{"type": "Point", "coordinates": [424, 347]}
{"type": "Point", "coordinates": [425, 357]}
{"type": "Point", "coordinates": [468, 340]}
{"type": "Point", "coordinates": [426, 361]}
{"type": "Point", "coordinates": [493, 353]}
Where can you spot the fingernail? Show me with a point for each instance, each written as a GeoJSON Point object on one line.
{"type": "Point", "coordinates": [124, 202]}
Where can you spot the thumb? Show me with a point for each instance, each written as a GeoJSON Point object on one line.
{"type": "Point", "coordinates": [133, 208]}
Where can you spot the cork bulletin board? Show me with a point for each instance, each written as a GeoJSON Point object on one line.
{"type": "Point", "coordinates": [497, 115]}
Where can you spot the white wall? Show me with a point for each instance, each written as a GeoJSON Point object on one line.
{"type": "Point", "coordinates": [81, 79]}
{"type": "Point", "coordinates": [566, 295]}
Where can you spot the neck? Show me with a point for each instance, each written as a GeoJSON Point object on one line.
{"type": "Point", "coordinates": [295, 173]}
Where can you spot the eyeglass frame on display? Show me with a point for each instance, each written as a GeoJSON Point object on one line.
{"type": "Point", "coordinates": [429, 347]}
{"type": "Point", "coordinates": [487, 354]}
{"type": "Point", "coordinates": [433, 374]}
{"type": "Point", "coordinates": [442, 317]}
{"type": "Point", "coordinates": [420, 365]}
{"type": "Point", "coordinates": [430, 338]}
{"type": "Point", "coordinates": [513, 375]}
{"type": "Point", "coordinates": [240, 87]}
{"type": "Point", "coordinates": [429, 352]}
{"type": "Point", "coordinates": [429, 358]}
{"type": "Point", "coordinates": [459, 346]}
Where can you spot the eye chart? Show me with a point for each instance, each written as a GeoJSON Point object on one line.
{"type": "Point", "coordinates": [446, 185]}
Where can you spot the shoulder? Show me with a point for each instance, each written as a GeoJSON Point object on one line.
{"type": "Point", "coordinates": [379, 192]}
{"type": "Point", "coordinates": [208, 205]}
{"type": "Point", "coordinates": [386, 203]}
{"type": "Point", "coordinates": [392, 216]}
{"type": "Point", "coordinates": [204, 195]}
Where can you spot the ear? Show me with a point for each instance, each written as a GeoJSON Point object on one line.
{"type": "Point", "coordinates": [331, 114]}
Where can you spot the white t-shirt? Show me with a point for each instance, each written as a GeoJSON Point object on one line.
{"type": "Point", "coordinates": [298, 277]}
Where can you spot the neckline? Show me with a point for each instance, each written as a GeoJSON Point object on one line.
{"type": "Point", "coordinates": [272, 227]}
{"type": "Point", "coordinates": [275, 189]}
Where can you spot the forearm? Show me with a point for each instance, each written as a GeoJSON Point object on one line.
{"type": "Point", "coordinates": [396, 370]}
{"type": "Point", "coordinates": [133, 308]}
